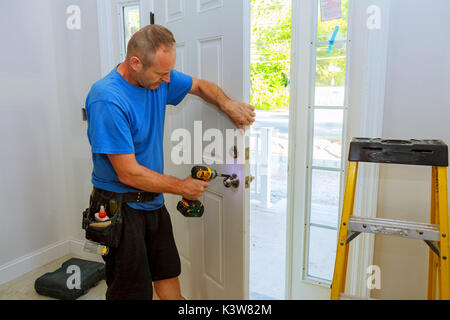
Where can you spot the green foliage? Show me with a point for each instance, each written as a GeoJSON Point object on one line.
{"type": "Point", "coordinates": [271, 53]}
{"type": "Point", "coordinates": [330, 68]}
{"type": "Point", "coordinates": [271, 48]}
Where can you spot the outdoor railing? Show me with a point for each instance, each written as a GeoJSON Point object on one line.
{"type": "Point", "coordinates": [261, 152]}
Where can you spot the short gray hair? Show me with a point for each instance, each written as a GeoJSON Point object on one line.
{"type": "Point", "coordinates": [145, 43]}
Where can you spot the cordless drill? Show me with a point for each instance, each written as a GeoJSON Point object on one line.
{"type": "Point", "coordinates": [194, 208]}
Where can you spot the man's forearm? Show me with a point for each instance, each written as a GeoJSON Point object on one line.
{"type": "Point", "coordinates": [211, 93]}
{"type": "Point", "coordinates": [145, 179]}
{"type": "Point", "coordinates": [241, 113]}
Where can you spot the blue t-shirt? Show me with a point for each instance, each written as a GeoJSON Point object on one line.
{"type": "Point", "coordinates": [125, 119]}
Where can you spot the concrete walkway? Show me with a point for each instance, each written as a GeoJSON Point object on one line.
{"type": "Point", "coordinates": [268, 225]}
{"type": "Point", "coordinates": [267, 251]}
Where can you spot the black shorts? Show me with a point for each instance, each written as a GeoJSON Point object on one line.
{"type": "Point", "coordinates": [147, 253]}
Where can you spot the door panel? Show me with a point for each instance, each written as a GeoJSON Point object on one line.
{"type": "Point", "coordinates": [213, 248]}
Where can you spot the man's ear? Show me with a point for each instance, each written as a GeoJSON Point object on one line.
{"type": "Point", "coordinates": [136, 64]}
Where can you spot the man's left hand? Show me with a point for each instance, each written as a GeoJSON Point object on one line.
{"type": "Point", "coordinates": [241, 113]}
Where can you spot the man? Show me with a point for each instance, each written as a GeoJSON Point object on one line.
{"type": "Point", "coordinates": [126, 112]}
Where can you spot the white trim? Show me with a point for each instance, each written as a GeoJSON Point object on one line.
{"type": "Point", "coordinates": [120, 5]}
{"type": "Point", "coordinates": [105, 26]}
{"type": "Point", "coordinates": [372, 108]}
{"type": "Point", "coordinates": [106, 32]}
{"type": "Point", "coordinates": [36, 259]}
{"type": "Point", "coordinates": [247, 9]}
{"type": "Point", "coordinates": [298, 121]}
{"type": "Point", "coordinates": [29, 262]}
{"type": "Point", "coordinates": [311, 116]}
{"type": "Point", "coordinates": [146, 6]}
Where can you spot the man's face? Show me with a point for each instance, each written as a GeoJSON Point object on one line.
{"type": "Point", "coordinates": [159, 72]}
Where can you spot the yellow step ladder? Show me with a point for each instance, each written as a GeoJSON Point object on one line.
{"type": "Point", "coordinates": [432, 153]}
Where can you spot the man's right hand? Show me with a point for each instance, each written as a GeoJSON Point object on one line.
{"type": "Point", "coordinates": [192, 189]}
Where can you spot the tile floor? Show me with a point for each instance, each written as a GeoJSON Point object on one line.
{"type": "Point", "coordinates": [22, 288]}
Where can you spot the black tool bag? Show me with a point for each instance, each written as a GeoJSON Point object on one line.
{"type": "Point", "coordinates": [62, 283]}
{"type": "Point", "coordinates": [111, 234]}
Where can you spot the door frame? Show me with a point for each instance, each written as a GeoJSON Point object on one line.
{"type": "Point", "coordinates": [366, 87]}
{"type": "Point", "coordinates": [120, 17]}
{"type": "Point", "coordinates": [106, 21]}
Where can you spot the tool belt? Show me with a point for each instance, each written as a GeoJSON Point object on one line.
{"type": "Point", "coordinates": [109, 233]}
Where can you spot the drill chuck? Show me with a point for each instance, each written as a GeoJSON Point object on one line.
{"type": "Point", "coordinates": [203, 173]}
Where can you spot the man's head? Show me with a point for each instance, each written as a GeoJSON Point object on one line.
{"type": "Point", "coordinates": [151, 55]}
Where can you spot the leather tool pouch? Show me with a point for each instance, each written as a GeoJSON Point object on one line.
{"type": "Point", "coordinates": [109, 233]}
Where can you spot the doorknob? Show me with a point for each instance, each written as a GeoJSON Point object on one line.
{"type": "Point", "coordinates": [231, 181]}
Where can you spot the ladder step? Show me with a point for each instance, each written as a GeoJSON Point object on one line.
{"type": "Point", "coordinates": [406, 229]}
{"type": "Point", "coordinates": [415, 152]}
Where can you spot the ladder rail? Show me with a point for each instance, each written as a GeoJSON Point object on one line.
{"type": "Point", "coordinates": [432, 153]}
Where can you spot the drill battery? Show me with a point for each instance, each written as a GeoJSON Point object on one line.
{"type": "Point", "coordinates": [191, 209]}
{"type": "Point", "coordinates": [194, 208]}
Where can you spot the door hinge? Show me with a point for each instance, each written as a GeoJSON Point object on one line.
{"type": "Point", "coordinates": [247, 153]}
{"type": "Point", "coordinates": [83, 114]}
{"type": "Point", "coordinates": [152, 18]}
{"type": "Point", "coordinates": [248, 181]}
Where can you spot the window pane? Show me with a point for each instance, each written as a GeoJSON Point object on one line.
{"type": "Point", "coordinates": [328, 125]}
{"type": "Point", "coordinates": [330, 76]}
{"type": "Point", "coordinates": [325, 197]}
{"type": "Point", "coordinates": [326, 28]}
{"type": "Point", "coordinates": [131, 22]}
{"type": "Point", "coordinates": [322, 252]}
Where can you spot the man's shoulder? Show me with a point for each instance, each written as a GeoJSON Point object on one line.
{"type": "Point", "coordinates": [107, 90]}
{"type": "Point", "coordinates": [104, 90]}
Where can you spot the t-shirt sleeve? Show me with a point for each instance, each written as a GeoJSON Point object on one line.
{"type": "Point", "coordinates": [179, 86]}
{"type": "Point", "coordinates": [109, 129]}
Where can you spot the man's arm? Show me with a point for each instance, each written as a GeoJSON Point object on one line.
{"type": "Point", "coordinates": [131, 173]}
{"type": "Point", "coordinates": [241, 113]}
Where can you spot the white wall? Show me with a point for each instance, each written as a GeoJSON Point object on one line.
{"type": "Point", "coordinates": [417, 105]}
{"type": "Point", "coordinates": [45, 75]}
{"type": "Point", "coordinates": [77, 68]}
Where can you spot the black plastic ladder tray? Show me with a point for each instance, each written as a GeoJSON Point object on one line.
{"type": "Point", "coordinates": [412, 152]}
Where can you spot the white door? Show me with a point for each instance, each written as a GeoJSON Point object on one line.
{"type": "Point", "coordinates": [212, 44]}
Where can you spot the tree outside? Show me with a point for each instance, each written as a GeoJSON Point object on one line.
{"type": "Point", "coordinates": [271, 54]}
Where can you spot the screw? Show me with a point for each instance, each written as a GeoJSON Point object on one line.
{"type": "Point", "coordinates": [444, 235]}
{"type": "Point", "coordinates": [345, 223]}
{"type": "Point", "coordinates": [444, 257]}
{"type": "Point", "coordinates": [342, 243]}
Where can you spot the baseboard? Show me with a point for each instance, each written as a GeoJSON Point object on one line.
{"type": "Point", "coordinates": [29, 262]}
